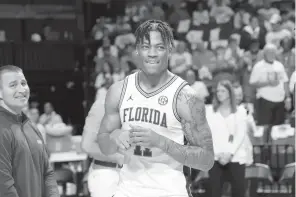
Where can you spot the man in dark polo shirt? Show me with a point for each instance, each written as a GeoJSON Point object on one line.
{"type": "Point", "coordinates": [24, 167]}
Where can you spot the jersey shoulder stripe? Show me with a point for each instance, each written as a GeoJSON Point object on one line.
{"type": "Point", "coordinates": [123, 91]}
{"type": "Point", "coordinates": [175, 100]}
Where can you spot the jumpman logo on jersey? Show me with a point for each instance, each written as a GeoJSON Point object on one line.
{"type": "Point", "coordinates": [130, 98]}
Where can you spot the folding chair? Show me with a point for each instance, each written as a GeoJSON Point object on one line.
{"type": "Point", "coordinates": [287, 179]}
{"type": "Point", "coordinates": [258, 178]}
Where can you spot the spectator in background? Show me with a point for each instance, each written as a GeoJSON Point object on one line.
{"type": "Point", "coordinates": [229, 129]}
{"type": "Point", "coordinates": [267, 12]}
{"type": "Point", "coordinates": [200, 15]}
{"type": "Point", "coordinates": [221, 12]}
{"type": "Point", "coordinates": [288, 18]}
{"type": "Point", "coordinates": [241, 18]}
{"type": "Point", "coordinates": [129, 59]}
{"type": "Point", "coordinates": [107, 58]}
{"type": "Point", "coordinates": [253, 31]}
{"type": "Point", "coordinates": [234, 57]}
{"type": "Point", "coordinates": [48, 34]}
{"type": "Point", "coordinates": [49, 116]}
{"type": "Point", "coordinates": [125, 38]}
{"type": "Point", "coordinates": [213, 3]}
{"type": "Point", "coordinates": [286, 55]}
{"type": "Point", "coordinates": [252, 55]}
{"type": "Point", "coordinates": [205, 75]}
{"type": "Point", "coordinates": [270, 79]}
{"type": "Point", "coordinates": [107, 45]}
{"type": "Point", "coordinates": [222, 70]}
{"type": "Point", "coordinates": [99, 30]}
{"type": "Point", "coordinates": [250, 58]}
{"type": "Point", "coordinates": [130, 10]}
{"type": "Point", "coordinates": [181, 59]}
{"type": "Point", "coordinates": [256, 3]}
{"type": "Point", "coordinates": [122, 26]}
{"type": "Point", "coordinates": [157, 11]}
{"type": "Point", "coordinates": [202, 57]}
{"type": "Point", "coordinates": [276, 33]}
{"type": "Point", "coordinates": [191, 5]}
{"type": "Point", "coordinates": [197, 85]}
{"type": "Point", "coordinates": [179, 12]}
{"type": "Point", "coordinates": [145, 11]}
{"type": "Point", "coordinates": [104, 75]}
{"type": "Point", "coordinates": [233, 53]}
{"type": "Point", "coordinates": [241, 101]}
{"type": "Point", "coordinates": [247, 110]}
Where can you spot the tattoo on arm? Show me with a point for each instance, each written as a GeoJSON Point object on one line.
{"type": "Point", "coordinates": [198, 153]}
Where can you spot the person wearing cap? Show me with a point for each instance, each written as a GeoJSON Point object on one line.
{"type": "Point", "coordinates": [277, 34]}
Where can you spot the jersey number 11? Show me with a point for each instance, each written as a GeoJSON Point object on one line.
{"type": "Point", "coordinates": [145, 153]}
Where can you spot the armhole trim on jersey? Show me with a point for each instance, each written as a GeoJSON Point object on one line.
{"type": "Point", "coordinates": [123, 92]}
{"type": "Point", "coordinates": [175, 100]}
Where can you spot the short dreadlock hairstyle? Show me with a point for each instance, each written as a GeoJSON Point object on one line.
{"type": "Point", "coordinates": [155, 25]}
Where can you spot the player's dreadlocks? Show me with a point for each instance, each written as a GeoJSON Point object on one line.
{"type": "Point", "coordinates": [155, 25]}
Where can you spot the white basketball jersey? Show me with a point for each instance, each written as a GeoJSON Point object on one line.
{"type": "Point", "coordinates": [150, 172]}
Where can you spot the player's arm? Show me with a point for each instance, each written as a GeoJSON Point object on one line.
{"type": "Point", "coordinates": [93, 120]}
{"type": "Point", "coordinates": [111, 119]}
{"type": "Point", "coordinates": [7, 187]}
{"type": "Point", "coordinates": [198, 153]}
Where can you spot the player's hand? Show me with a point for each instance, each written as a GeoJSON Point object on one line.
{"type": "Point", "coordinates": [143, 136]}
{"type": "Point", "coordinates": [121, 138]}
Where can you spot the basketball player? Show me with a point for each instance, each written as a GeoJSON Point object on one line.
{"type": "Point", "coordinates": [103, 173]}
{"type": "Point", "coordinates": [154, 110]}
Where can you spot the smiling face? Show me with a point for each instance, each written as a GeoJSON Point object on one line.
{"type": "Point", "coordinates": [154, 54]}
{"type": "Point", "coordinates": [14, 91]}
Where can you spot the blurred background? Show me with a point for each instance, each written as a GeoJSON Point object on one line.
{"type": "Point", "coordinates": [71, 51]}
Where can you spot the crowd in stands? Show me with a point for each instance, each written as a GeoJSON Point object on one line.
{"type": "Point", "coordinates": [49, 123]}
{"type": "Point", "coordinates": [202, 60]}
{"type": "Point", "coordinates": [249, 43]}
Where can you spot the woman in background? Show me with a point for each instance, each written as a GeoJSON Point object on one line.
{"type": "Point", "coordinates": [229, 129]}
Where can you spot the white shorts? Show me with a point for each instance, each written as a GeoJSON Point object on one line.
{"type": "Point", "coordinates": [103, 182]}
